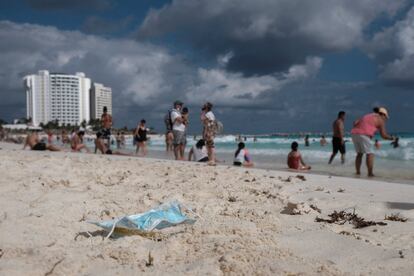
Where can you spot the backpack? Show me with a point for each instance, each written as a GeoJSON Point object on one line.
{"type": "Point", "coordinates": [218, 127]}
{"type": "Point", "coordinates": [167, 121]}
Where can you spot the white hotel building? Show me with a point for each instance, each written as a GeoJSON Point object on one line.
{"type": "Point", "coordinates": [56, 96]}
{"type": "Point", "coordinates": [100, 96]}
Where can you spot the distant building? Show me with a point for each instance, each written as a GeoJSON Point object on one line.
{"type": "Point", "coordinates": [100, 96]}
{"type": "Point", "coordinates": [57, 96]}
{"type": "Point", "coordinates": [69, 99]}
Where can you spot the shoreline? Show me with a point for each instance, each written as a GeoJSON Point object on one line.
{"type": "Point", "coordinates": [254, 221]}
{"type": "Point", "coordinates": [161, 156]}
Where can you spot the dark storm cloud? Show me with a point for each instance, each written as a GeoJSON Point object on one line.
{"type": "Point", "coordinates": [266, 35]}
{"type": "Point", "coordinates": [102, 26]}
{"type": "Point", "coordinates": [393, 49]}
{"type": "Point", "coordinates": [140, 74]}
{"type": "Point", "coordinates": [146, 79]}
{"type": "Point", "coordinates": [69, 4]}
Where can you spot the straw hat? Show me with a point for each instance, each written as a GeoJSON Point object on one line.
{"type": "Point", "coordinates": [382, 110]}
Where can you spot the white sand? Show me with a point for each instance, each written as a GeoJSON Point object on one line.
{"type": "Point", "coordinates": [45, 198]}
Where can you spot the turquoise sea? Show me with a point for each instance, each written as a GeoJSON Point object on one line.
{"type": "Point", "coordinates": [270, 151]}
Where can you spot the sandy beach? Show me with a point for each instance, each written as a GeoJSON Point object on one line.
{"type": "Point", "coordinates": [253, 222]}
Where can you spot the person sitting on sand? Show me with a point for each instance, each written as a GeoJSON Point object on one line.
{"type": "Point", "coordinates": [198, 152]}
{"type": "Point", "coordinates": [102, 147]}
{"type": "Point", "coordinates": [242, 157]}
{"type": "Point", "coordinates": [363, 131]}
{"type": "Point", "coordinates": [33, 141]}
{"type": "Point", "coordinates": [77, 142]}
{"type": "Point", "coordinates": [65, 137]}
{"type": "Point", "coordinates": [294, 160]}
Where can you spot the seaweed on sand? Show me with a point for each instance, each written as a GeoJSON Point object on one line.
{"type": "Point", "coordinates": [396, 217]}
{"type": "Point", "coordinates": [342, 217]}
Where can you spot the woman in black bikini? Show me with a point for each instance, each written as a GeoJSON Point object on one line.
{"type": "Point", "coordinates": [140, 136]}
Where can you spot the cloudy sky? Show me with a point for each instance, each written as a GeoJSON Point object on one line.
{"type": "Point", "coordinates": [266, 65]}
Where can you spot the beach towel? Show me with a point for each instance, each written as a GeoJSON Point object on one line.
{"type": "Point", "coordinates": [166, 215]}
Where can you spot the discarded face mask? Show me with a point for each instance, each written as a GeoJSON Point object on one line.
{"type": "Point", "coordinates": [166, 215]}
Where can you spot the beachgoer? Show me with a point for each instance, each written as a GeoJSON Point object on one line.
{"type": "Point", "coordinates": [323, 141]}
{"type": "Point", "coordinates": [377, 144]}
{"type": "Point", "coordinates": [363, 131]}
{"type": "Point", "coordinates": [122, 139]}
{"type": "Point", "coordinates": [209, 130]}
{"type": "Point", "coordinates": [65, 137]}
{"type": "Point", "coordinates": [72, 134]}
{"type": "Point", "coordinates": [140, 136]}
{"type": "Point", "coordinates": [178, 130]}
{"type": "Point", "coordinates": [198, 152]}
{"type": "Point", "coordinates": [2, 133]}
{"type": "Point", "coordinates": [102, 147]}
{"type": "Point", "coordinates": [118, 140]}
{"type": "Point", "coordinates": [242, 157]}
{"type": "Point", "coordinates": [307, 141]}
{"type": "Point", "coordinates": [33, 141]}
{"type": "Point", "coordinates": [77, 142]}
{"type": "Point", "coordinates": [169, 139]}
{"type": "Point", "coordinates": [185, 114]}
{"type": "Point", "coordinates": [338, 142]}
{"type": "Point", "coordinates": [395, 143]}
{"type": "Point", "coordinates": [294, 160]}
{"type": "Point", "coordinates": [49, 137]}
{"type": "Point", "coordinates": [106, 120]}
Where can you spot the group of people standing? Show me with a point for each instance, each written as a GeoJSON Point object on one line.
{"type": "Point", "coordinates": [177, 122]}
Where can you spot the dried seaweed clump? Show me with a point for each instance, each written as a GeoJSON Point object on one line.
{"type": "Point", "coordinates": [342, 217]}
{"type": "Point", "coordinates": [396, 217]}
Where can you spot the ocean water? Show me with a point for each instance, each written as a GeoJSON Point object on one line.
{"type": "Point", "coordinates": [268, 152]}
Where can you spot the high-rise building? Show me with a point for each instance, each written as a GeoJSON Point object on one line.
{"type": "Point", "coordinates": [57, 96]}
{"type": "Point", "coordinates": [100, 96]}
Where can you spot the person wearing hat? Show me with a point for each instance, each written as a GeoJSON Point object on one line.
{"type": "Point", "coordinates": [178, 130]}
{"type": "Point", "coordinates": [362, 133]}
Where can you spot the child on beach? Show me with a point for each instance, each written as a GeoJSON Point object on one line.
{"type": "Point", "coordinates": [198, 152]}
{"type": "Point", "coordinates": [294, 160]}
{"type": "Point", "coordinates": [242, 157]}
{"type": "Point", "coordinates": [77, 142]}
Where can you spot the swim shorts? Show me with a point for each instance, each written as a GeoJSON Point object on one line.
{"type": "Point", "coordinates": [179, 137]}
{"type": "Point", "coordinates": [362, 143]}
{"type": "Point", "coordinates": [338, 146]}
{"type": "Point", "coordinates": [39, 146]}
{"type": "Point", "coordinates": [237, 163]}
{"type": "Point", "coordinates": [106, 133]}
{"type": "Point", "coordinates": [209, 134]}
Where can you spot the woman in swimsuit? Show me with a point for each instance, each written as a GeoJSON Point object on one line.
{"type": "Point", "coordinates": [295, 160]}
{"type": "Point", "coordinates": [140, 136]}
